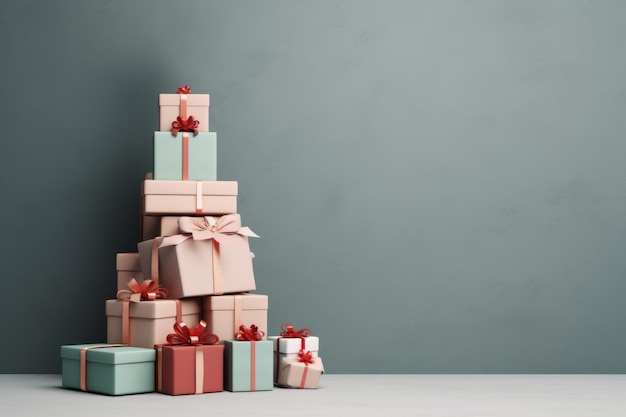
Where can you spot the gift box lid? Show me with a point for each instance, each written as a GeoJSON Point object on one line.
{"type": "Point", "coordinates": [127, 262]}
{"type": "Point", "coordinates": [154, 309]}
{"type": "Point", "coordinates": [227, 302]}
{"type": "Point", "coordinates": [175, 187]}
{"type": "Point", "coordinates": [109, 355]}
{"type": "Point", "coordinates": [293, 344]}
{"type": "Point", "coordinates": [192, 100]}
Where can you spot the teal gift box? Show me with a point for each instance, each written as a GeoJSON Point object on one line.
{"type": "Point", "coordinates": [239, 372]}
{"type": "Point", "coordinates": [108, 369]}
{"type": "Point", "coordinates": [200, 162]}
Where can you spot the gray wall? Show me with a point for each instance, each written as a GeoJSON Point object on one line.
{"type": "Point", "coordinates": [439, 185]}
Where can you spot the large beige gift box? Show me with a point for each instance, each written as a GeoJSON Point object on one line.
{"type": "Point", "coordinates": [173, 197]}
{"type": "Point", "coordinates": [211, 256]}
{"type": "Point", "coordinates": [225, 313]}
{"type": "Point", "coordinates": [150, 321]}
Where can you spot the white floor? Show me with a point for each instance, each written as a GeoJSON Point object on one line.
{"type": "Point", "coordinates": [341, 395]}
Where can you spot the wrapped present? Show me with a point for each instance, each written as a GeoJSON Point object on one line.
{"type": "Point", "coordinates": [192, 362]}
{"type": "Point", "coordinates": [290, 343]}
{"type": "Point", "coordinates": [248, 361]}
{"type": "Point", "coordinates": [185, 156]}
{"type": "Point", "coordinates": [183, 104]}
{"type": "Point", "coordinates": [211, 256]}
{"type": "Point", "coordinates": [223, 313]}
{"type": "Point", "coordinates": [302, 371]}
{"type": "Point", "coordinates": [108, 368]}
{"type": "Point", "coordinates": [138, 318]}
{"type": "Point", "coordinates": [155, 226]}
{"type": "Point", "coordinates": [128, 267]}
{"type": "Point", "coordinates": [161, 197]}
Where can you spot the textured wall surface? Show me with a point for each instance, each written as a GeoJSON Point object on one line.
{"type": "Point", "coordinates": [439, 186]}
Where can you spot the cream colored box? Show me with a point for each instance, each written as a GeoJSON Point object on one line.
{"type": "Point", "coordinates": [154, 226]}
{"type": "Point", "coordinates": [150, 321]}
{"type": "Point", "coordinates": [197, 106]}
{"type": "Point", "coordinates": [128, 267]}
{"type": "Point", "coordinates": [167, 197]}
{"type": "Point", "coordinates": [225, 313]}
{"type": "Point", "coordinates": [296, 374]}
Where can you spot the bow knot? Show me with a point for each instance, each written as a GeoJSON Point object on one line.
{"type": "Point", "coordinates": [184, 89]}
{"type": "Point", "coordinates": [287, 330]}
{"type": "Point", "coordinates": [305, 356]}
{"type": "Point", "coordinates": [149, 290]}
{"type": "Point", "coordinates": [185, 125]}
{"type": "Point", "coordinates": [191, 336]}
{"type": "Point", "coordinates": [251, 334]}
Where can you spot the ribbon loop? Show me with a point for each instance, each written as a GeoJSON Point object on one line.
{"type": "Point", "coordinates": [185, 125]}
{"type": "Point", "coordinates": [149, 290]}
{"type": "Point", "coordinates": [191, 336]}
{"type": "Point", "coordinates": [184, 89]}
{"type": "Point", "coordinates": [250, 334]}
{"type": "Point", "coordinates": [305, 356]}
{"type": "Point", "coordinates": [288, 330]}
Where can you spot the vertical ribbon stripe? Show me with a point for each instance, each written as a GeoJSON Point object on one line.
{"type": "Point", "coordinates": [198, 197]}
{"type": "Point", "coordinates": [218, 288]}
{"type": "Point", "coordinates": [199, 370]}
{"type": "Point", "coordinates": [159, 374]}
{"type": "Point", "coordinates": [83, 363]}
{"type": "Point", "coordinates": [154, 261]}
{"type": "Point", "coordinates": [185, 156]}
{"type": "Point", "coordinates": [238, 311]}
{"type": "Point", "coordinates": [126, 322]}
{"type": "Point", "coordinates": [183, 106]}
{"type": "Point", "coordinates": [303, 380]}
{"type": "Point", "coordinates": [252, 365]}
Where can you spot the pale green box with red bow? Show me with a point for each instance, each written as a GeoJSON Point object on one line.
{"type": "Point", "coordinates": [185, 156]}
{"type": "Point", "coordinates": [108, 369]}
{"type": "Point", "coordinates": [248, 365]}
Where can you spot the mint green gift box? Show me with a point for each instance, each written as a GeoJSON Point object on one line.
{"type": "Point", "coordinates": [238, 365]}
{"type": "Point", "coordinates": [201, 156]}
{"type": "Point", "coordinates": [117, 370]}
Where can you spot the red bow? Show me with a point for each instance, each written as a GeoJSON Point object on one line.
{"type": "Point", "coordinates": [148, 290]}
{"type": "Point", "coordinates": [305, 356]}
{"type": "Point", "coordinates": [251, 334]}
{"type": "Point", "coordinates": [186, 125]}
{"type": "Point", "coordinates": [195, 336]}
{"type": "Point", "coordinates": [184, 90]}
{"type": "Point", "coordinates": [287, 330]}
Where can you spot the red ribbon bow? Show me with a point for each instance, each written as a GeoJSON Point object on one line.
{"type": "Point", "coordinates": [184, 89]}
{"type": "Point", "coordinates": [305, 356]}
{"type": "Point", "coordinates": [287, 330]}
{"type": "Point", "coordinates": [194, 336]}
{"type": "Point", "coordinates": [185, 125]}
{"type": "Point", "coordinates": [148, 290]}
{"type": "Point", "coordinates": [251, 334]}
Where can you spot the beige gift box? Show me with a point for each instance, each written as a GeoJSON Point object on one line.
{"type": "Point", "coordinates": [150, 321]}
{"type": "Point", "coordinates": [225, 313]}
{"type": "Point", "coordinates": [170, 109]}
{"type": "Point", "coordinates": [296, 374]}
{"type": "Point", "coordinates": [128, 267]}
{"type": "Point", "coordinates": [193, 263]}
{"type": "Point", "coordinates": [163, 197]}
{"type": "Point", "coordinates": [154, 226]}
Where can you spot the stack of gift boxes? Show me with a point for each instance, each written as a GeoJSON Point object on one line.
{"type": "Point", "coordinates": [184, 320]}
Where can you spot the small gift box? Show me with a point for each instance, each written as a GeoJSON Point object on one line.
{"type": "Point", "coordinates": [302, 371]}
{"type": "Point", "coordinates": [128, 267]}
{"type": "Point", "coordinates": [192, 362]}
{"type": "Point", "coordinates": [290, 343]}
{"type": "Point", "coordinates": [248, 361]}
{"type": "Point", "coordinates": [145, 321]}
{"type": "Point", "coordinates": [223, 313]}
{"type": "Point", "coordinates": [160, 197]}
{"type": "Point", "coordinates": [210, 256]}
{"type": "Point", "coordinates": [183, 105]}
{"type": "Point", "coordinates": [108, 369]}
{"type": "Point", "coordinates": [185, 156]}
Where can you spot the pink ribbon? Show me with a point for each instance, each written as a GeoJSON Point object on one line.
{"type": "Point", "coordinates": [306, 357]}
{"type": "Point", "coordinates": [83, 363]}
{"type": "Point", "coordinates": [217, 229]}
